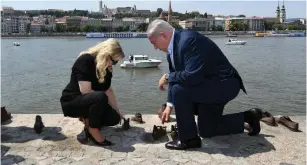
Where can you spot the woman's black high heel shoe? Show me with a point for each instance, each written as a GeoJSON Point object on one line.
{"type": "Point", "coordinates": [104, 143]}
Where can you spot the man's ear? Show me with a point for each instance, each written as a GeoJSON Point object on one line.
{"type": "Point", "coordinates": [162, 34]}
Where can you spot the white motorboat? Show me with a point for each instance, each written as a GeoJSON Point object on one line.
{"type": "Point", "coordinates": [235, 42]}
{"type": "Point", "coordinates": [140, 61]}
{"type": "Point", "coordinates": [16, 44]}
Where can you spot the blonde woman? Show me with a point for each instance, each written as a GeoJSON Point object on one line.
{"type": "Point", "coordinates": [89, 95]}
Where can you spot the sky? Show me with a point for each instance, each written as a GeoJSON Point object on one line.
{"type": "Point", "coordinates": [294, 9]}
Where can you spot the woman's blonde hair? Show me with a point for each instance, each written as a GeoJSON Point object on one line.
{"type": "Point", "coordinates": [109, 49]}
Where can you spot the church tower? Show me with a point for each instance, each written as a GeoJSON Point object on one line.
{"type": "Point", "coordinates": [283, 13]}
{"type": "Point", "coordinates": [100, 6]}
{"type": "Point", "coordinates": [169, 11]}
{"type": "Point", "coordinates": [278, 11]}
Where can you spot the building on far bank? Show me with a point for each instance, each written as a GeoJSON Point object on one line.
{"type": "Point", "coordinates": [186, 24]}
{"type": "Point", "coordinates": [5, 11]}
{"type": "Point", "coordinates": [6, 26]}
{"type": "Point", "coordinates": [111, 23]}
{"type": "Point", "coordinates": [271, 19]}
{"type": "Point", "coordinates": [219, 21]}
{"type": "Point", "coordinates": [200, 24]}
{"type": "Point", "coordinates": [73, 22]}
{"type": "Point", "coordinates": [297, 20]}
{"type": "Point", "coordinates": [14, 24]}
{"type": "Point", "coordinates": [254, 23]}
{"type": "Point", "coordinates": [36, 28]}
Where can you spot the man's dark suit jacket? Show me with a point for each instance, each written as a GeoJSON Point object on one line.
{"type": "Point", "coordinates": [199, 63]}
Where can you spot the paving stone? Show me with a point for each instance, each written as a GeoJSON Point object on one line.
{"type": "Point", "coordinates": [274, 145]}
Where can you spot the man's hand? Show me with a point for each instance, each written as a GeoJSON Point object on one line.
{"type": "Point", "coordinates": [166, 114]}
{"type": "Point", "coordinates": [162, 82]}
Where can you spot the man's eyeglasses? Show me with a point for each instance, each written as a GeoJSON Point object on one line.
{"type": "Point", "coordinates": [114, 62]}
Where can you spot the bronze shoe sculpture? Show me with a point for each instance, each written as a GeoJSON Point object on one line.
{"type": "Point", "coordinates": [5, 116]}
{"type": "Point", "coordinates": [287, 122]}
{"type": "Point", "coordinates": [138, 118]}
{"type": "Point", "coordinates": [160, 110]}
{"type": "Point", "coordinates": [268, 119]}
{"type": "Point", "coordinates": [39, 125]}
{"type": "Point", "coordinates": [158, 132]}
{"type": "Point", "coordinates": [126, 124]}
{"type": "Point", "coordinates": [174, 132]}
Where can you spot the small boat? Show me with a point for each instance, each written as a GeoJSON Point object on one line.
{"type": "Point", "coordinates": [140, 61]}
{"type": "Point", "coordinates": [235, 42]}
{"type": "Point", "coordinates": [16, 44]}
{"type": "Point", "coordinates": [230, 35]}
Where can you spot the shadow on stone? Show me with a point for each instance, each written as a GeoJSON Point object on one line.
{"type": "Point", "coordinates": [23, 134]}
{"type": "Point", "coordinates": [4, 150]}
{"type": "Point", "coordinates": [239, 145]}
{"type": "Point", "coordinates": [286, 164]}
{"type": "Point", "coordinates": [9, 159]}
{"type": "Point", "coordinates": [147, 138]}
{"type": "Point", "coordinates": [123, 139]}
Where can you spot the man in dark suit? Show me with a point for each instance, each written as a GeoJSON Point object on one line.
{"type": "Point", "coordinates": [201, 79]}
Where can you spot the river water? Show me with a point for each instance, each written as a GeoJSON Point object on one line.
{"type": "Point", "coordinates": [35, 73]}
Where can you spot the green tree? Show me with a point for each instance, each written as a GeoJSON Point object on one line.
{"type": "Point", "coordinates": [176, 26]}
{"type": "Point", "coordinates": [60, 28]}
{"type": "Point", "coordinates": [88, 28]}
{"type": "Point", "coordinates": [245, 27]}
{"type": "Point", "coordinates": [119, 16]}
{"type": "Point", "coordinates": [28, 28]}
{"type": "Point", "coordinates": [159, 11]}
{"type": "Point", "coordinates": [268, 25]}
{"type": "Point", "coordinates": [278, 26]}
{"type": "Point", "coordinates": [292, 27]}
{"type": "Point", "coordinates": [206, 15]}
{"type": "Point", "coordinates": [119, 29]}
{"type": "Point", "coordinates": [101, 28]}
{"type": "Point", "coordinates": [234, 26]}
{"type": "Point", "coordinates": [219, 28]}
{"type": "Point", "coordinates": [238, 26]}
{"type": "Point", "coordinates": [142, 27]}
{"type": "Point", "coordinates": [126, 28]}
{"type": "Point", "coordinates": [43, 29]}
{"type": "Point", "coordinates": [213, 28]}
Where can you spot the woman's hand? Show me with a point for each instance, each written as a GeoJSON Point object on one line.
{"type": "Point", "coordinates": [121, 115]}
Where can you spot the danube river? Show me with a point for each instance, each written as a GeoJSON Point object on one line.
{"type": "Point", "coordinates": [35, 73]}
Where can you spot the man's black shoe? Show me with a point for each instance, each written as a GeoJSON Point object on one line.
{"type": "Point", "coordinates": [252, 117]}
{"type": "Point", "coordinates": [178, 145]}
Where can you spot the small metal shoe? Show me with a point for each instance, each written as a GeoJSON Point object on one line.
{"type": "Point", "coordinates": [174, 132]}
{"type": "Point", "coordinates": [138, 118]}
{"type": "Point", "coordinates": [5, 115]}
{"type": "Point", "coordinates": [287, 122]}
{"type": "Point", "coordinates": [126, 124]}
{"type": "Point", "coordinates": [268, 119]}
{"type": "Point", "coordinates": [158, 132]}
{"type": "Point", "coordinates": [39, 125]}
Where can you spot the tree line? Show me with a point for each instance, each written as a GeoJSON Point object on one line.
{"type": "Point", "coordinates": [297, 25]}
{"type": "Point", "coordinates": [153, 14]}
{"type": "Point", "coordinates": [242, 26]}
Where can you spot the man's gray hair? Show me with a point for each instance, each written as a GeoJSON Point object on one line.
{"type": "Point", "coordinates": [157, 26]}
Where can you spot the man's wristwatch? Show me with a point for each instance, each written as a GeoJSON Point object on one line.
{"type": "Point", "coordinates": [166, 76]}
